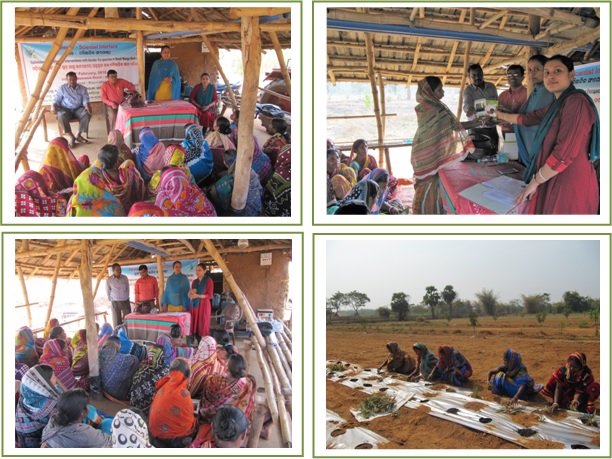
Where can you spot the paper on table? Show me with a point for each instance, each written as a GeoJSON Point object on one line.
{"type": "Point", "coordinates": [504, 189]}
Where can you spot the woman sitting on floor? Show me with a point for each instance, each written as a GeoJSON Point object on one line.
{"type": "Point", "coordinates": [60, 168]}
{"type": "Point", "coordinates": [219, 142]}
{"type": "Point", "coordinates": [398, 361]}
{"type": "Point", "coordinates": [360, 161]}
{"type": "Point", "coordinates": [25, 347]}
{"type": "Point", "coordinates": [280, 138]}
{"type": "Point", "coordinates": [117, 371]}
{"type": "Point", "coordinates": [129, 430]}
{"type": "Point", "coordinates": [277, 190]}
{"type": "Point", "coordinates": [105, 190]}
{"type": "Point", "coordinates": [105, 332]}
{"type": "Point", "coordinates": [54, 355]}
{"type": "Point", "coordinates": [33, 198]}
{"type": "Point", "coordinates": [150, 154]}
{"type": "Point", "coordinates": [426, 361]}
{"type": "Point", "coordinates": [179, 198]}
{"type": "Point", "coordinates": [198, 156]}
{"type": "Point", "coordinates": [511, 378]}
{"type": "Point", "coordinates": [452, 367]}
{"type": "Point", "coordinates": [203, 363]}
{"type": "Point", "coordinates": [360, 200]}
{"type": "Point", "coordinates": [261, 162]}
{"type": "Point", "coordinates": [237, 389]}
{"type": "Point", "coordinates": [50, 325]}
{"type": "Point", "coordinates": [151, 370]}
{"type": "Point", "coordinates": [573, 386]}
{"type": "Point", "coordinates": [66, 428]}
{"type": "Point", "coordinates": [173, 345]}
{"type": "Point", "coordinates": [230, 428]}
{"type": "Point", "coordinates": [174, 156]}
{"type": "Point", "coordinates": [221, 192]}
{"type": "Point", "coordinates": [80, 359]}
{"type": "Point", "coordinates": [342, 177]}
{"type": "Point", "coordinates": [386, 202]}
{"type": "Point", "coordinates": [172, 423]}
{"type": "Point", "coordinates": [127, 345]}
{"type": "Point", "coordinates": [39, 393]}
{"type": "Point", "coordinates": [116, 138]}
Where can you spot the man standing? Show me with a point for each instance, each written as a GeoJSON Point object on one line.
{"type": "Point", "coordinates": [112, 95]}
{"type": "Point", "coordinates": [146, 288]}
{"type": "Point", "coordinates": [72, 101]}
{"type": "Point", "coordinates": [479, 89]}
{"type": "Point", "coordinates": [512, 99]}
{"type": "Point", "coordinates": [118, 292]}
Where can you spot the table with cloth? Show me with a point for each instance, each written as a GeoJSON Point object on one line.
{"type": "Point", "coordinates": [462, 175]}
{"type": "Point", "coordinates": [166, 118]}
{"type": "Point", "coordinates": [149, 327]}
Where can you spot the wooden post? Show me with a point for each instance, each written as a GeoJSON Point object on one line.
{"type": "Point", "coordinates": [251, 62]}
{"type": "Point", "coordinates": [229, 278]}
{"type": "Point", "coordinates": [21, 156]}
{"type": "Point", "coordinates": [282, 412]}
{"type": "Point", "coordinates": [58, 262]}
{"type": "Point", "coordinates": [466, 59]}
{"type": "Point", "coordinates": [534, 29]}
{"type": "Point", "coordinates": [140, 56]}
{"type": "Point", "coordinates": [42, 75]}
{"type": "Point", "coordinates": [258, 421]}
{"type": "Point", "coordinates": [268, 384]}
{"type": "Point", "coordinates": [160, 271]}
{"type": "Point", "coordinates": [370, 57]}
{"type": "Point", "coordinates": [281, 60]}
{"type": "Point", "coordinates": [383, 105]}
{"type": "Point", "coordinates": [25, 295]}
{"type": "Point", "coordinates": [217, 62]}
{"type": "Point", "coordinates": [88, 304]}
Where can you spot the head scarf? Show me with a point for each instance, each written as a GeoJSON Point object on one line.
{"type": "Point", "coordinates": [150, 155]}
{"type": "Point", "coordinates": [51, 324]}
{"type": "Point", "coordinates": [25, 347]}
{"type": "Point", "coordinates": [198, 156]}
{"type": "Point", "coordinates": [127, 345]}
{"type": "Point", "coordinates": [180, 198]}
{"type": "Point", "coordinates": [116, 138]}
{"type": "Point", "coordinates": [171, 413]}
{"type": "Point", "coordinates": [117, 370]}
{"type": "Point", "coordinates": [54, 355]}
{"type": "Point", "coordinates": [427, 361]}
{"type": "Point", "coordinates": [79, 343]}
{"type": "Point", "coordinates": [581, 358]}
{"type": "Point", "coordinates": [515, 363]}
{"type": "Point", "coordinates": [220, 390]}
{"type": "Point", "coordinates": [440, 139]}
{"type": "Point", "coordinates": [130, 431]}
{"type": "Point", "coordinates": [358, 195]}
{"type": "Point", "coordinates": [105, 332]}
{"type": "Point", "coordinates": [204, 362]}
{"type": "Point", "coordinates": [171, 352]}
{"type": "Point", "coordinates": [380, 174]}
{"type": "Point", "coordinates": [60, 167]}
{"type": "Point", "coordinates": [174, 156]}
{"type": "Point", "coordinates": [146, 209]}
{"type": "Point", "coordinates": [151, 370]}
{"type": "Point", "coordinates": [450, 358]}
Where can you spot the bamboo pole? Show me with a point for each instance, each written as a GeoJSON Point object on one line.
{"type": "Point", "coordinates": [285, 363]}
{"type": "Point", "coordinates": [370, 58]}
{"type": "Point", "coordinates": [280, 96]}
{"type": "Point", "coordinates": [140, 55]}
{"type": "Point", "coordinates": [268, 385]}
{"type": "Point", "coordinates": [288, 342]}
{"type": "Point", "coordinates": [466, 57]}
{"type": "Point", "coordinates": [58, 262]}
{"type": "Point", "coordinates": [90, 315]}
{"type": "Point", "coordinates": [287, 331]}
{"type": "Point", "coordinates": [238, 12]}
{"type": "Point", "coordinates": [21, 153]}
{"type": "Point", "coordinates": [42, 75]}
{"type": "Point", "coordinates": [160, 272]}
{"type": "Point", "coordinates": [215, 58]}
{"type": "Point", "coordinates": [229, 278]}
{"type": "Point", "coordinates": [278, 366]}
{"type": "Point", "coordinates": [282, 412]}
{"type": "Point", "coordinates": [383, 105]}
{"type": "Point", "coordinates": [251, 62]}
{"type": "Point", "coordinates": [102, 272]}
{"type": "Point", "coordinates": [281, 60]}
{"type": "Point", "coordinates": [450, 60]}
{"type": "Point", "coordinates": [283, 345]}
{"type": "Point", "coordinates": [534, 30]}
{"type": "Point", "coordinates": [258, 422]}
{"type": "Point", "coordinates": [25, 295]}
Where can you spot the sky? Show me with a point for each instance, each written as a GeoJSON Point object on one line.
{"type": "Point", "coordinates": [510, 268]}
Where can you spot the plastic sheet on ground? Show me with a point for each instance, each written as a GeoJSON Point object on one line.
{"type": "Point", "coordinates": [353, 438]}
{"type": "Point", "coordinates": [571, 432]}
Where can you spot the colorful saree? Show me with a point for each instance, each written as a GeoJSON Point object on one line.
{"type": "Point", "coordinates": [117, 370]}
{"type": "Point", "coordinates": [80, 359]}
{"type": "Point", "coordinates": [150, 154]}
{"type": "Point", "coordinates": [390, 192]}
{"type": "Point", "coordinates": [453, 367]}
{"type": "Point", "coordinates": [151, 370]}
{"type": "Point", "coordinates": [25, 347]}
{"type": "Point", "coordinates": [116, 138]}
{"type": "Point", "coordinates": [174, 156]}
{"type": "Point", "coordinates": [198, 156]}
{"type": "Point", "coordinates": [221, 194]}
{"type": "Point", "coordinates": [96, 194]}
{"type": "Point", "coordinates": [54, 356]}
{"type": "Point", "coordinates": [277, 190]}
{"type": "Point", "coordinates": [508, 382]}
{"type": "Point", "coordinates": [219, 390]}
{"type": "Point", "coordinates": [146, 209]}
{"type": "Point", "coordinates": [172, 352]}
{"type": "Point", "coordinates": [204, 362]}
{"type": "Point", "coordinates": [361, 170]}
{"type": "Point", "coordinates": [33, 198]}
{"type": "Point", "coordinates": [273, 146]}
{"type": "Point", "coordinates": [427, 361]}
{"type": "Point", "coordinates": [398, 361]}
{"type": "Point", "coordinates": [205, 97]}
{"type": "Point", "coordinates": [201, 308]}
{"type": "Point", "coordinates": [179, 198]}
{"type": "Point", "coordinates": [60, 168]}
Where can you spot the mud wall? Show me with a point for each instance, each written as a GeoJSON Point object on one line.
{"type": "Point", "coordinates": [193, 62]}
{"type": "Point", "coordinates": [266, 287]}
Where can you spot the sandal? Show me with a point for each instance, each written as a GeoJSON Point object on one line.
{"type": "Point", "coordinates": [82, 139]}
{"type": "Point", "coordinates": [71, 142]}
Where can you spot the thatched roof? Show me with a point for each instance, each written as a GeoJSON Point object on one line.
{"type": "Point", "coordinates": [160, 25]}
{"type": "Point", "coordinates": [39, 257]}
{"type": "Point", "coordinates": [411, 43]}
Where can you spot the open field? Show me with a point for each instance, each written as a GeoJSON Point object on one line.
{"type": "Point", "coordinates": [543, 348]}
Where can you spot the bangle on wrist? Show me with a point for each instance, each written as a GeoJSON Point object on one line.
{"type": "Point", "coordinates": [541, 176]}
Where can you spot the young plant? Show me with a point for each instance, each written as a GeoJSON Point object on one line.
{"type": "Point", "coordinates": [378, 404]}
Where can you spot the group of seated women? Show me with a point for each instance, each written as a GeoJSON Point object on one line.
{"type": "Point", "coordinates": [357, 186]}
{"type": "Point", "coordinates": [572, 386]}
{"type": "Point", "coordinates": [193, 179]}
{"type": "Point", "coordinates": [159, 384]}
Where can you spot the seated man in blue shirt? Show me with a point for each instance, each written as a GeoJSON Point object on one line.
{"type": "Point", "coordinates": [72, 101]}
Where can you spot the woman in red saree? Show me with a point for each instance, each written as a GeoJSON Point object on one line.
{"type": "Point", "coordinates": [172, 423]}
{"type": "Point", "coordinates": [54, 355]}
{"type": "Point", "coordinates": [202, 290]}
{"type": "Point", "coordinates": [180, 198]}
{"type": "Point", "coordinates": [33, 198]}
{"type": "Point", "coordinates": [60, 168]}
{"type": "Point", "coordinates": [236, 389]}
{"type": "Point", "coordinates": [205, 362]}
{"type": "Point", "coordinates": [204, 97]}
{"type": "Point", "coordinates": [280, 138]}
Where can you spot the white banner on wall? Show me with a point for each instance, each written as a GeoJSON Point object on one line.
{"type": "Point", "coordinates": [587, 79]}
{"type": "Point", "coordinates": [89, 60]}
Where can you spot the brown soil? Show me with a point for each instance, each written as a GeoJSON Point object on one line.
{"type": "Point", "coordinates": [543, 349]}
{"type": "Point", "coordinates": [475, 406]}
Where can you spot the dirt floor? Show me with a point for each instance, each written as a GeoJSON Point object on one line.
{"type": "Point", "coordinates": [543, 348]}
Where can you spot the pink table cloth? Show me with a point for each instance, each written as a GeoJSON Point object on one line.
{"type": "Point", "coordinates": [150, 326]}
{"type": "Point", "coordinates": [460, 176]}
{"type": "Point", "coordinates": [166, 118]}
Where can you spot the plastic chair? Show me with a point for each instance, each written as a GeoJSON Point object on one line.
{"type": "Point", "coordinates": [231, 315]}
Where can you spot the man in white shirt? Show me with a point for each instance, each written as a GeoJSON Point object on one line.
{"type": "Point", "coordinates": [118, 292]}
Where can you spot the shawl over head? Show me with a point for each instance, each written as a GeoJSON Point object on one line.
{"type": "Point", "coordinates": [198, 156]}
{"type": "Point", "coordinates": [150, 155]}
{"type": "Point", "coordinates": [440, 139]}
{"type": "Point", "coordinates": [129, 431]}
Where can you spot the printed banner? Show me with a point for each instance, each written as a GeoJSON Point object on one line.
{"type": "Point", "coordinates": [587, 79]}
{"type": "Point", "coordinates": [89, 60]}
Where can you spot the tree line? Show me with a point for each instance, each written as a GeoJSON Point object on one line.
{"type": "Point", "coordinates": [445, 304]}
